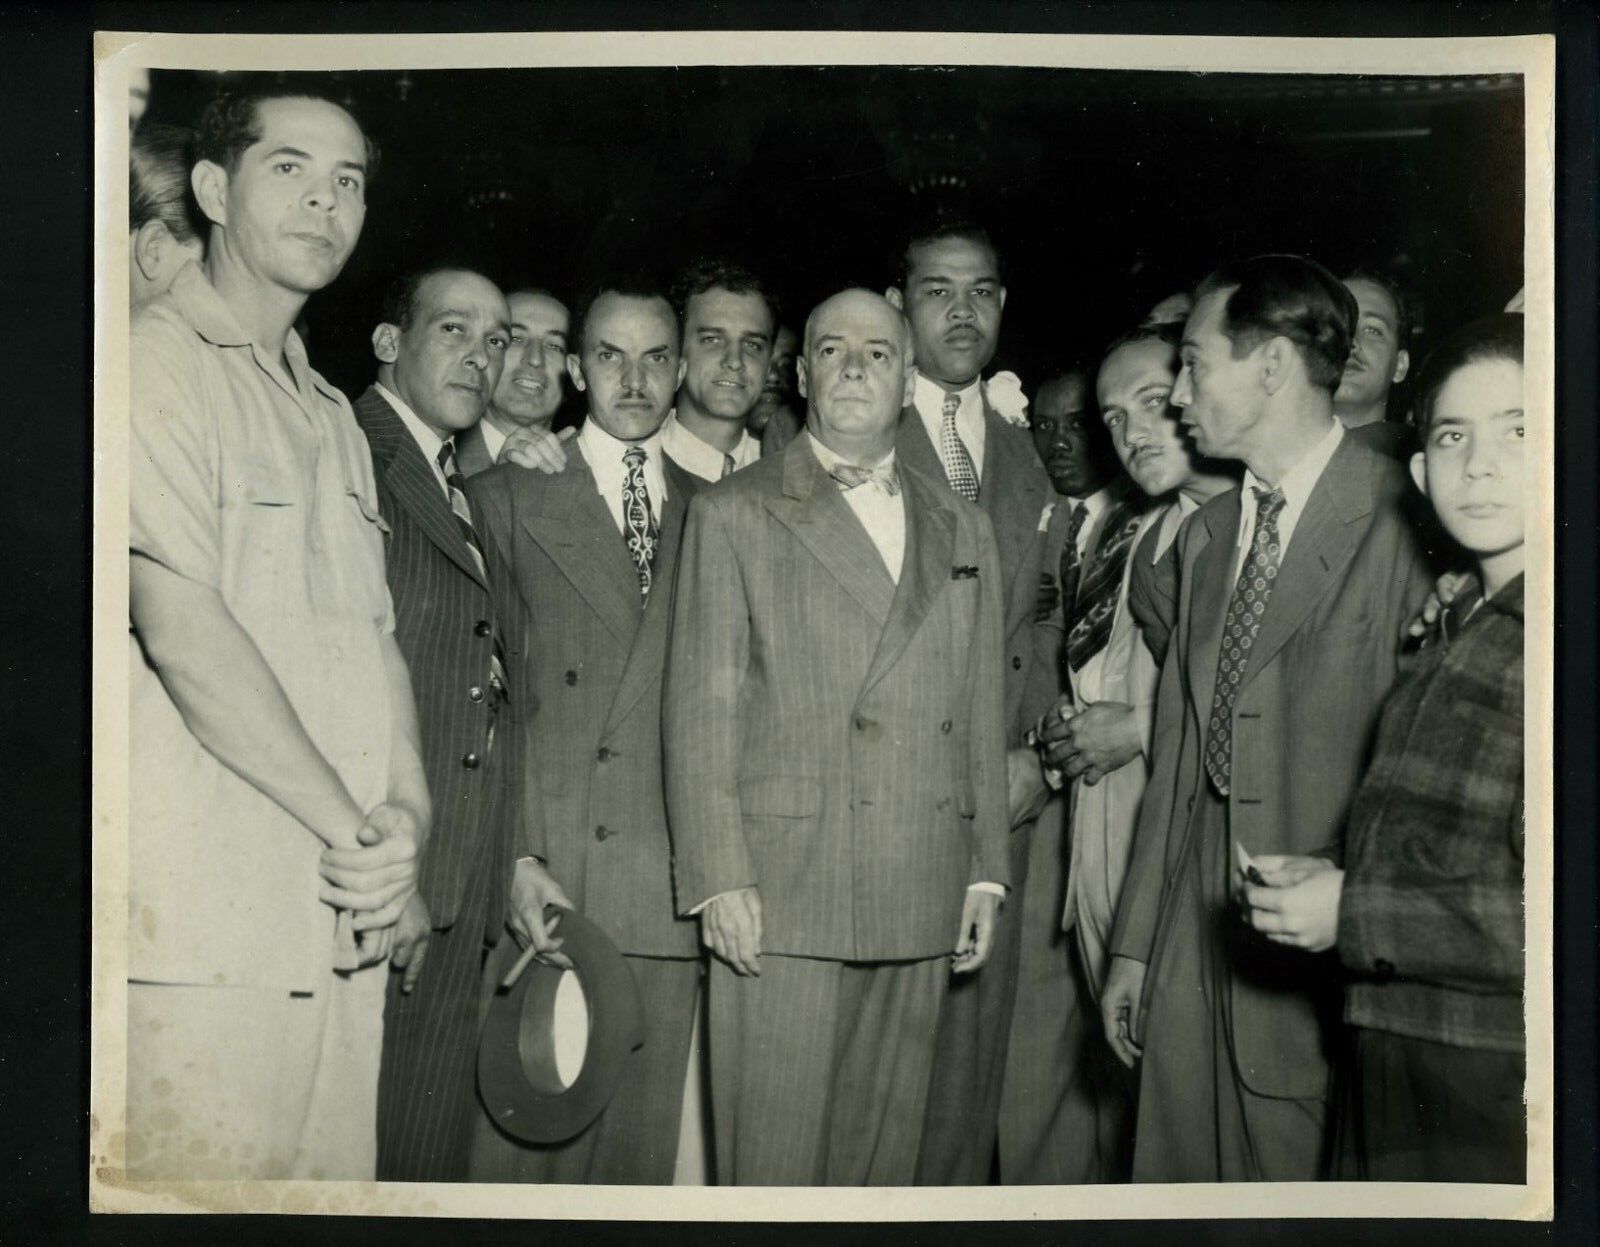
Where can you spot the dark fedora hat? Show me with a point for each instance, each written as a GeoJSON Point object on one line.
{"type": "Point", "coordinates": [517, 1077]}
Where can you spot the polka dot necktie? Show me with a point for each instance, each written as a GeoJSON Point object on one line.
{"type": "Point", "coordinates": [1245, 612]}
{"type": "Point", "coordinates": [638, 517]}
{"type": "Point", "coordinates": [958, 467]}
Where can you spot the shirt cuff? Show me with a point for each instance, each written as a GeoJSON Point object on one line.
{"type": "Point", "coordinates": [994, 889]}
{"type": "Point", "coordinates": [708, 901]}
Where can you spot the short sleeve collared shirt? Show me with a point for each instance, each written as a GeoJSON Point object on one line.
{"type": "Point", "coordinates": [254, 480]}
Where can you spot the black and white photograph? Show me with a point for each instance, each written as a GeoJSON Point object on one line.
{"type": "Point", "coordinates": [742, 612]}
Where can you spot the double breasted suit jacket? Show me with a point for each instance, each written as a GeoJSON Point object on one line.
{"type": "Point", "coordinates": [1303, 723]}
{"type": "Point", "coordinates": [597, 655]}
{"type": "Point", "coordinates": [833, 738]}
{"type": "Point", "coordinates": [446, 619]}
{"type": "Point", "coordinates": [1013, 491]}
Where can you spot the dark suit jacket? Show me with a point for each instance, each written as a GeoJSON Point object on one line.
{"type": "Point", "coordinates": [446, 617]}
{"type": "Point", "coordinates": [833, 738]}
{"type": "Point", "coordinates": [1303, 722]}
{"type": "Point", "coordinates": [594, 743]}
{"type": "Point", "coordinates": [472, 454]}
{"type": "Point", "coordinates": [1013, 491]}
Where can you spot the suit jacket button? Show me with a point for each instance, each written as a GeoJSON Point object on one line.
{"type": "Point", "coordinates": [571, 677]}
{"type": "Point", "coordinates": [1383, 968]}
{"type": "Point", "coordinates": [474, 693]}
{"type": "Point", "coordinates": [945, 726]}
{"type": "Point", "coordinates": [861, 724]}
{"type": "Point", "coordinates": [600, 833]}
{"type": "Point", "coordinates": [482, 627]}
{"type": "Point", "coordinates": [603, 754]}
{"type": "Point", "coordinates": [1016, 662]}
{"type": "Point", "coordinates": [470, 762]}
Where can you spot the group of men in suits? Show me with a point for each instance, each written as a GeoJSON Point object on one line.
{"type": "Point", "coordinates": [909, 753]}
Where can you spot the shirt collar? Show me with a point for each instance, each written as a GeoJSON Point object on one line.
{"type": "Point", "coordinates": [929, 395]}
{"type": "Point", "coordinates": [598, 445]}
{"type": "Point", "coordinates": [685, 442]}
{"type": "Point", "coordinates": [493, 439]}
{"type": "Point", "coordinates": [427, 440]}
{"type": "Point", "coordinates": [1301, 479]}
{"type": "Point", "coordinates": [1096, 504]}
{"type": "Point", "coordinates": [829, 459]}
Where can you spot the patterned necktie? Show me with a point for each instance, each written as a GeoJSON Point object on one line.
{"type": "Point", "coordinates": [455, 486]}
{"type": "Point", "coordinates": [1245, 613]}
{"type": "Point", "coordinates": [1072, 564]}
{"type": "Point", "coordinates": [883, 476]}
{"type": "Point", "coordinates": [958, 469]}
{"type": "Point", "coordinates": [727, 465]}
{"type": "Point", "coordinates": [1101, 586]}
{"type": "Point", "coordinates": [638, 517]}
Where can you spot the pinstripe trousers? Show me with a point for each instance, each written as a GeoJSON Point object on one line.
{"type": "Point", "coordinates": [427, 1098]}
{"type": "Point", "coordinates": [820, 1069]}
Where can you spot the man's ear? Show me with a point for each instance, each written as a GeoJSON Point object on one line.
{"type": "Point", "coordinates": [1002, 298]}
{"type": "Point", "coordinates": [150, 242]}
{"type": "Point", "coordinates": [800, 374]}
{"type": "Point", "coordinates": [683, 371]}
{"type": "Point", "coordinates": [896, 298]}
{"type": "Point", "coordinates": [210, 183]}
{"type": "Point", "coordinates": [1275, 356]}
{"type": "Point", "coordinates": [575, 371]}
{"type": "Point", "coordinates": [386, 343]}
{"type": "Point", "coordinates": [1419, 471]}
{"type": "Point", "coordinates": [1402, 365]}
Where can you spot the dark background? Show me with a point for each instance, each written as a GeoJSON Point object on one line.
{"type": "Point", "coordinates": [1105, 190]}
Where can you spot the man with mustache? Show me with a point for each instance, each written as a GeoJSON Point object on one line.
{"type": "Point", "coordinates": [835, 770]}
{"type": "Point", "coordinates": [1292, 594]}
{"type": "Point", "coordinates": [529, 393]}
{"type": "Point", "coordinates": [1099, 735]}
{"type": "Point", "coordinates": [728, 325]}
{"type": "Point", "coordinates": [1378, 362]}
{"type": "Point", "coordinates": [949, 286]}
{"type": "Point", "coordinates": [774, 419]}
{"type": "Point", "coordinates": [441, 344]}
{"type": "Point", "coordinates": [272, 736]}
{"type": "Point", "coordinates": [593, 552]}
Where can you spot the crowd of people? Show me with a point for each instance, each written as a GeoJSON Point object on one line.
{"type": "Point", "coordinates": [1121, 782]}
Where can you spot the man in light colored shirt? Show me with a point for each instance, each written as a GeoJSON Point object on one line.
{"type": "Point", "coordinates": [1292, 594]}
{"type": "Point", "coordinates": [593, 553]}
{"type": "Point", "coordinates": [530, 390]}
{"type": "Point", "coordinates": [972, 434]}
{"type": "Point", "coordinates": [276, 777]}
{"type": "Point", "coordinates": [835, 770]}
{"type": "Point", "coordinates": [728, 326]}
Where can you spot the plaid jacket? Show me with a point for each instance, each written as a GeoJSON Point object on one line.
{"type": "Point", "coordinates": [1431, 919]}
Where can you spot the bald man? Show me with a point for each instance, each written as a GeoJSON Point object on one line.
{"type": "Point", "coordinates": [835, 769]}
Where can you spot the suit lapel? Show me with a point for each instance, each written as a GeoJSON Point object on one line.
{"type": "Point", "coordinates": [573, 526]}
{"type": "Point", "coordinates": [472, 452]}
{"type": "Point", "coordinates": [647, 660]}
{"type": "Point", "coordinates": [1324, 541]}
{"type": "Point", "coordinates": [823, 523]}
{"type": "Point", "coordinates": [930, 544]}
{"type": "Point", "coordinates": [1208, 586]}
{"type": "Point", "coordinates": [413, 485]}
{"type": "Point", "coordinates": [1013, 511]}
{"type": "Point", "coordinates": [913, 447]}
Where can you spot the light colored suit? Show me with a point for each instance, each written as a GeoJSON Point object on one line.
{"type": "Point", "coordinates": [1303, 719]}
{"type": "Point", "coordinates": [593, 676]}
{"type": "Point", "coordinates": [835, 740]}
{"type": "Point", "coordinates": [1013, 490]}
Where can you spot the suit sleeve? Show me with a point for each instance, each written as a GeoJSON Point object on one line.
{"type": "Point", "coordinates": [1049, 633]}
{"type": "Point", "coordinates": [986, 731]}
{"type": "Point", "coordinates": [707, 656]}
{"type": "Point", "coordinates": [1153, 593]}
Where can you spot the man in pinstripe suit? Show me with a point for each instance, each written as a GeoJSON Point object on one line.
{"type": "Point", "coordinates": [835, 769]}
{"type": "Point", "coordinates": [440, 347]}
{"type": "Point", "coordinates": [592, 550]}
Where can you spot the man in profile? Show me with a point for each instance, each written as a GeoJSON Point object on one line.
{"type": "Point", "coordinates": [835, 771]}
{"type": "Point", "coordinates": [277, 785]}
{"type": "Point", "coordinates": [529, 393]}
{"type": "Point", "coordinates": [728, 324]}
{"type": "Point", "coordinates": [973, 435]}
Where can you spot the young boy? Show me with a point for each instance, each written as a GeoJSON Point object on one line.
{"type": "Point", "coordinates": [1427, 913]}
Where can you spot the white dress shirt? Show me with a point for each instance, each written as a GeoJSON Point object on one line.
{"type": "Point", "coordinates": [603, 453]}
{"type": "Point", "coordinates": [928, 398]}
{"type": "Point", "coordinates": [699, 457]}
{"type": "Point", "coordinates": [882, 515]}
{"type": "Point", "coordinates": [427, 440]}
{"type": "Point", "coordinates": [493, 439]}
{"type": "Point", "coordinates": [1297, 484]}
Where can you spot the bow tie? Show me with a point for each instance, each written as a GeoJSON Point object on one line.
{"type": "Point", "coordinates": [884, 476]}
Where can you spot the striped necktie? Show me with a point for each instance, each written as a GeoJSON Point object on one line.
{"type": "Point", "coordinates": [638, 517]}
{"type": "Point", "coordinates": [1101, 587]}
{"type": "Point", "coordinates": [958, 469]}
{"type": "Point", "coordinates": [1245, 612]}
{"type": "Point", "coordinates": [455, 487]}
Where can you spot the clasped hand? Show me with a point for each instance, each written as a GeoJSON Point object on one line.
{"type": "Point", "coordinates": [375, 881]}
{"type": "Point", "coordinates": [1101, 738]}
